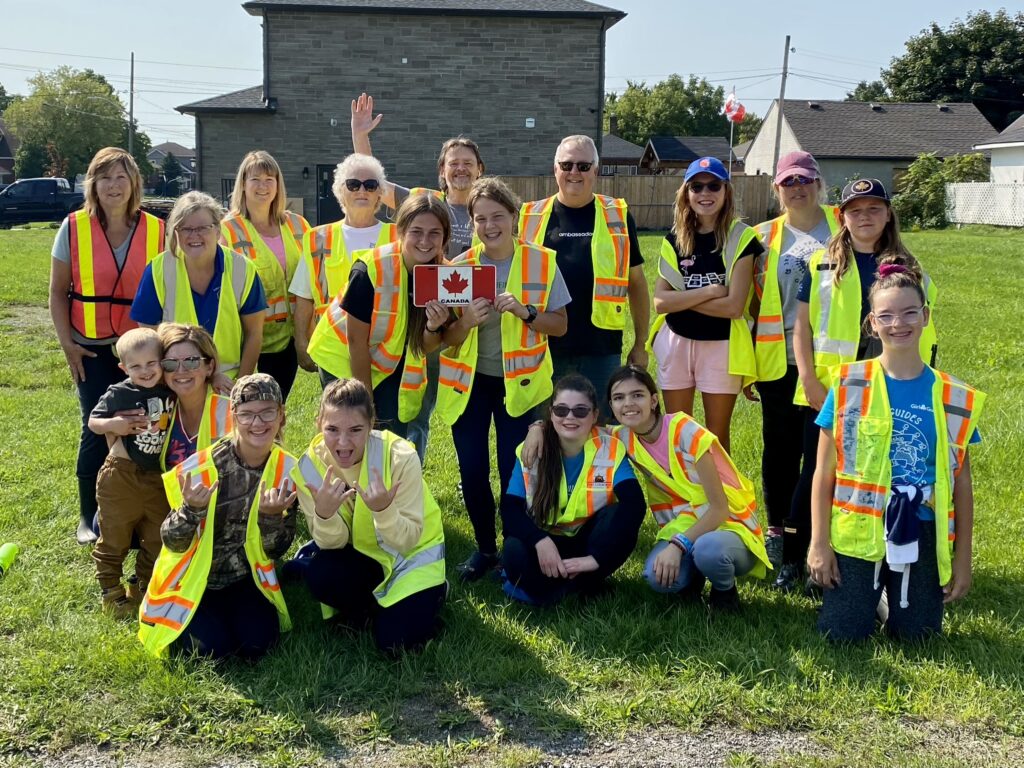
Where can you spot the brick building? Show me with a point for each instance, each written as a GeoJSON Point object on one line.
{"type": "Point", "coordinates": [514, 75]}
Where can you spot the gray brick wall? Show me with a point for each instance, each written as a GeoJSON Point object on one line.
{"type": "Point", "coordinates": [478, 76]}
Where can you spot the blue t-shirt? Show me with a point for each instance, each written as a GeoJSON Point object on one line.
{"type": "Point", "coordinates": [571, 467]}
{"type": "Point", "coordinates": [146, 308]}
{"type": "Point", "coordinates": [912, 451]}
{"type": "Point", "coordinates": [867, 268]}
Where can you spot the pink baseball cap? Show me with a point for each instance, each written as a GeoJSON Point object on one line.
{"type": "Point", "coordinates": [797, 164]}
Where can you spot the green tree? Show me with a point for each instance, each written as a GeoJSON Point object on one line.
{"type": "Point", "coordinates": [747, 130]}
{"type": "Point", "coordinates": [865, 91]}
{"type": "Point", "coordinates": [6, 99]}
{"type": "Point", "coordinates": [673, 107]}
{"type": "Point", "coordinates": [170, 171]}
{"type": "Point", "coordinates": [977, 60]}
{"type": "Point", "coordinates": [921, 201]}
{"type": "Point", "coordinates": [68, 116]}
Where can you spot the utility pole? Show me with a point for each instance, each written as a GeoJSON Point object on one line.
{"type": "Point", "coordinates": [778, 113]}
{"type": "Point", "coordinates": [131, 108]}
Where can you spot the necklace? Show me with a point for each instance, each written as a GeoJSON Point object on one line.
{"type": "Point", "coordinates": [657, 423]}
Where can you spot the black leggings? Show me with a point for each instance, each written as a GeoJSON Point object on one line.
{"type": "Point", "coordinates": [236, 620]}
{"type": "Point", "coordinates": [281, 365]}
{"type": "Point", "coordinates": [100, 372]}
{"type": "Point", "coordinates": [612, 531]}
{"type": "Point", "coordinates": [345, 579]}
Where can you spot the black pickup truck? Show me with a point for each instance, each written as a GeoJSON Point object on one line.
{"type": "Point", "coordinates": [30, 200]}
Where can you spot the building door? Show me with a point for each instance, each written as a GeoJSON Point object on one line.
{"type": "Point", "coordinates": [327, 208]}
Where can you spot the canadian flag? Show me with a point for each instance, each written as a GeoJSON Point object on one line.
{"type": "Point", "coordinates": [452, 286]}
{"type": "Point", "coordinates": [734, 110]}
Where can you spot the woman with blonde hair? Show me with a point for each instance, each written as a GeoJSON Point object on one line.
{"type": "Point", "coordinates": [701, 339]}
{"type": "Point", "coordinates": [98, 259]}
{"type": "Point", "coordinates": [329, 250]}
{"type": "Point", "coordinates": [196, 282]}
{"type": "Point", "coordinates": [259, 226]}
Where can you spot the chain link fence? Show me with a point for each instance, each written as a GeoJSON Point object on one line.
{"type": "Point", "coordinates": [985, 203]}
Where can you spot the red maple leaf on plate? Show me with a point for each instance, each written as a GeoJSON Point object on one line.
{"type": "Point", "coordinates": [455, 283]}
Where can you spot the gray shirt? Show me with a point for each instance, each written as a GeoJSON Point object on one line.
{"type": "Point", "coordinates": [462, 226]}
{"type": "Point", "coordinates": [794, 256]}
{"type": "Point", "coordinates": [489, 340]}
{"type": "Point", "coordinates": [62, 252]}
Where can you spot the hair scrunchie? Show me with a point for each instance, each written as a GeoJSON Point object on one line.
{"type": "Point", "coordinates": [892, 269]}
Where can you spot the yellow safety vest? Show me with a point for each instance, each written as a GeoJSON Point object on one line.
{"type": "Point", "coordinates": [677, 497]}
{"type": "Point", "coordinates": [770, 333]}
{"type": "Point", "coordinates": [526, 360]}
{"type": "Point", "coordinates": [174, 292]}
{"type": "Point", "coordinates": [594, 490]}
{"type": "Point", "coordinates": [328, 346]}
{"type": "Point", "coordinates": [405, 573]}
{"type": "Point", "coordinates": [179, 578]}
{"type": "Point", "coordinates": [240, 235]}
{"type": "Point", "coordinates": [741, 345]}
{"type": "Point", "coordinates": [835, 319]}
{"type": "Point", "coordinates": [214, 424]}
{"type": "Point", "coordinates": [862, 428]}
{"type": "Point", "coordinates": [328, 260]}
{"type": "Point", "coordinates": [609, 249]}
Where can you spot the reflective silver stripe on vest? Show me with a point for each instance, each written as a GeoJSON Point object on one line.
{"type": "Point", "coordinates": [853, 387]}
{"type": "Point", "coordinates": [374, 457]}
{"type": "Point", "coordinates": [611, 291]}
{"type": "Point", "coordinates": [957, 417]}
{"type": "Point", "coordinates": [532, 219]}
{"type": "Point", "coordinates": [268, 578]}
{"type": "Point", "coordinates": [386, 287]}
{"type": "Point", "coordinates": [310, 474]}
{"type": "Point", "coordinates": [238, 271]}
{"type": "Point", "coordinates": [821, 341]}
{"type": "Point", "coordinates": [855, 494]}
{"type": "Point", "coordinates": [170, 278]}
{"type": "Point", "coordinates": [220, 418]}
{"type": "Point", "coordinates": [321, 252]}
{"type": "Point", "coordinates": [687, 460]}
{"type": "Point", "coordinates": [455, 375]}
{"type": "Point", "coordinates": [413, 376]}
{"type": "Point", "coordinates": [403, 566]}
{"type": "Point", "coordinates": [169, 610]}
{"type": "Point", "coordinates": [519, 362]}
{"type": "Point", "coordinates": [383, 360]}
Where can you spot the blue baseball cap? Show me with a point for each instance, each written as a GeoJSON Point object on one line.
{"type": "Point", "coordinates": [710, 165]}
{"type": "Point", "coordinates": [863, 188]}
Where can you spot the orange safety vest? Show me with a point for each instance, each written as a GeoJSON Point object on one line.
{"type": "Point", "coordinates": [101, 294]}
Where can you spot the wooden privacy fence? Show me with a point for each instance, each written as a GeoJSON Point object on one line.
{"type": "Point", "coordinates": [651, 198]}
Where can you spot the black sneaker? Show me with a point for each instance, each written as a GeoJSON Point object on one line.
{"type": "Point", "coordinates": [726, 600]}
{"type": "Point", "coordinates": [476, 566]}
{"type": "Point", "coordinates": [692, 592]}
{"type": "Point", "coordinates": [790, 577]}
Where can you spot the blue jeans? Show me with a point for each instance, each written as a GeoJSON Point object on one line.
{"type": "Point", "coordinates": [597, 368]}
{"type": "Point", "coordinates": [719, 556]}
{"type": "Point", "coordinates": [418, 431]}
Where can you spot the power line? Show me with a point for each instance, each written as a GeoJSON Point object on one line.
{"type": "Point", "coordinates": [125, 61]}
{"type": "Point", "coordinates": [833, 57]}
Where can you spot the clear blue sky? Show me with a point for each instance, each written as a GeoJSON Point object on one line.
{"type": "Point", "coordinates": [731, 43]}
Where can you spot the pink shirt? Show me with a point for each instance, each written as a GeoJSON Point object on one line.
{"type": "Point", "coordinates": [276, 244]}
{"type": "Point", "coordinates": [659, 448]}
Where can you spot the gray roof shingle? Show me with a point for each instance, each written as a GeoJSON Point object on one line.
{"type": "Point", "coordinates": [853, 129]}
{"type": "Point", "coordinates": [564, 8]}
{"type": "Point", "coordinates": [1012, 134]}
{"type": "Point", "coordinates": [245, 100]}
{"type": "Point", "coordinates": [616, 147]}
{"type": "Point", "coordinates": [686, 149]}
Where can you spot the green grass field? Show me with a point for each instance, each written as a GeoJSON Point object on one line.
{"type": "Point", "coordinates": [504, 683]}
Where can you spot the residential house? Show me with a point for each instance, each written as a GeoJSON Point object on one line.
{"type": "Point", "coordinates": [670, 155]}
{"type": "Point", "coordinates": [859, 138]}
{"type": "Point", "coordinates": [619, 157]}
{"type": "Point", "coordinates": [8, 148]}
{"type": "Point", "coordinates": [1007, 149]}
{"type": "Point", "coordinates": [502, 72]}
{"type": "Point", "coordinates": [185, 156]}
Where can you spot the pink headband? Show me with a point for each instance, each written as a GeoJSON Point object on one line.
{"type": "Point", "coordinates": [892, 269]}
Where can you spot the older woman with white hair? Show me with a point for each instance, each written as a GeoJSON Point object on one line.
{"type": "Point", "coordinates": [259, 226]}
{"type": "Point", "coordinates": [197, 282]}
{"type": "Point", "coordinates": [330, 249]}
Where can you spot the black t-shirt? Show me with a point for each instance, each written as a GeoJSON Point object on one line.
{"type": "Point", "coordinates": [569, 233]}
{"type": "Point", "coordinates": [705, 266]}
{"type": "Point", "coordinates": [358, 298]}
{"type": "Point", "coordinates": [143, 449]}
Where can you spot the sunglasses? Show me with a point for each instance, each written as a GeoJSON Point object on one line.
{"type": "Point", "coordinates": [566, 165]}
{"type": "Point", "coordinates": [712, 186]}
{"type": "Point", "coordinates": [793, 181]}
{"type": "Point", "coordinates": [171, 364]}
{"type": "Point", "coordinates": [579, 411]}
{"type": "Point", "coordinates": [370, 185]}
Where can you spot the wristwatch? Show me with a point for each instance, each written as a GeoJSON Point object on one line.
{"type": "Point", "coordinates": [531, 314]}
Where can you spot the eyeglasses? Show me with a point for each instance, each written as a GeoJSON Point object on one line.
{"type": "Point", "coordinates": [579, 411]}
{"type": "Point", "coordinates": [711, 186]}
{"type": "Point", "coordinates": [909, 317]}
{"type": "Point", "coordinates": [370, 185]}
{"type": "Point", "coordinates": [247, 419]}
{"type": "Point", "coordinates": [172, 364]}
{"type": "Point", "coordinates": [566, 165]}
{"type": "Point", "coordinates": [793, 181]}
{"type": "Point", "coordinates": [203, 230]}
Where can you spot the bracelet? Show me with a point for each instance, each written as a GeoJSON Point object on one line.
{"type": "Point", "coordinates": [537, 423]}
{"type": "Point", "coordinates": [439, 330]}
{"type": "Point", "coordinates": [683, 542]}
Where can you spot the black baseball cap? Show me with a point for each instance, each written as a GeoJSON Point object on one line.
{"type": "Point", "coordinates": [863, 188]}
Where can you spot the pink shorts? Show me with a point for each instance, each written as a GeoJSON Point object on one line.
{"type": "Point", "coordinates": [685, 363]}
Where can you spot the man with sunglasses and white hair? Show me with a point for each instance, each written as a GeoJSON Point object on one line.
{"type": "Point", "coordinates": [597, 251]}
